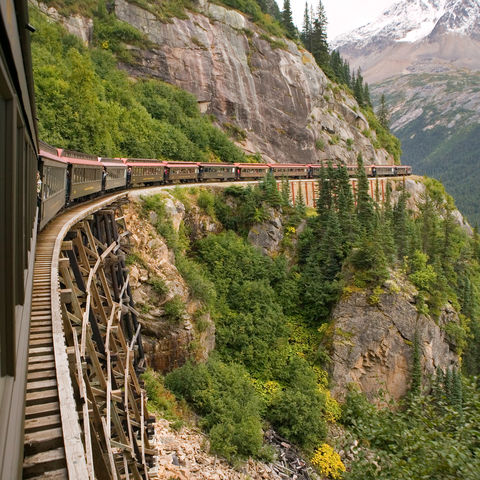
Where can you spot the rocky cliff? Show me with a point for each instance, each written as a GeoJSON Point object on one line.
{"type": "Point", "coordinates": [268, 92]}
{"type": "Point", "coordinates": [156, 281]}
{"type": "Point", "coordinates": [373, 336]}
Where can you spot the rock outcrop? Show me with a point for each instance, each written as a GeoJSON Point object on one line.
{"type": "Point", "coordinates": [372, 345]}
{"type": "Point", "coordinates": [270, 88]}
{"type": "Point", "coordinates": [78, 25]}
{"type": "Point", "coordinates": [268, 235]}
{"type": "Point", "coordinates": [167, 344]}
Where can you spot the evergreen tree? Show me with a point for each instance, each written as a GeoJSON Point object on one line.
{"type": "Point", "coordinates": [448, 385]}
{"type": "Point", "coordinates": [287, 20]}
{"type": "Point", "coordinates": [319, 38]}
{"type": "Point", "coordinates": [306, 34]}
{"type": "Point", "coordinates": [386, 227]}
{"type": "Point", "coordinates": [346, 74]}
{"type": "Point", "coordinates": [383, 114]}
{"type": "Point", "coordinates": [285, 192]}
{"type": "Point", "coordinates": [358, 88]}
{"type": "Point", "coordinates": [346, 209]}
{"type": "Point", "coordinates": [300, 202]}
{"type": "Point", "coordinates": [437, 386]}
{"type": "Point", "coordinates": [401, 224]}
{"type": "Point", "coordinates": [324, 198]}
{"type": "Point", "coordinates": [364, 209]}
{"type": "Point", "coordinates": [457, 390]}
{"type": "Point", "coordinates": [366, 96]}
{"type": "Point", "coordinates": [269, 186]}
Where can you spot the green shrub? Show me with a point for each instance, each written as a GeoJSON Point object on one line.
{"type": "Point", "coordinates": [198, 282]}
{"type": "Point", "coordinates": [160, 400]}
{"type": "Point", "coordinates": [206, 201]}
{"type": "Point", "coordinates": [297, 412]}
{"type": "Point", "coordinates": [223, 394]}
{"type": "Point", "coordinates": [159, 286]}
{"type": "Point", "coordinates": [174, 309]}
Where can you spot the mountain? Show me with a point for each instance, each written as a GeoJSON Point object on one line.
{"type": "Point", "coordinates": [424, 56]}
{"type": "Point", "coordinates": [416, 36]}
{"type": "Point", "coordinates": [265, 91]}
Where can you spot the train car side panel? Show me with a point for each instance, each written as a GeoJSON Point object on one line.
{"type": "Point", "coordinates": [85, 180]}
{"type": "Point", "coordinates": [53, 193]}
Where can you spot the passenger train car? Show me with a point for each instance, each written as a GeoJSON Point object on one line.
{"type": "Point", "coordinates": [18, 214]}
{"type": "Point", "coordinates": [68, 176]}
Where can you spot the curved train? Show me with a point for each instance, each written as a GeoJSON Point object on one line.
{"type": "Point", "coordinates": [67, 176]}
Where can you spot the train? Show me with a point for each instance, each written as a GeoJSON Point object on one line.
{"type": "Point", "coordinates": [66, 176]}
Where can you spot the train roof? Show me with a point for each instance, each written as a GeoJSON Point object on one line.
{"type": "Point", "coordinates": [47, 151]}
{"type": "Point", "coordinates": [112, 162]}
{"type": "Point", "coordinates": [207, 164]}
{"type": "Point", "coordinates": [287, 165]}
{"type": "Point", "coordinates": [143, 162]}
{"type": "Point", "coordinates": [79, 158]}
{"type": "Point", "coordinates": [251, 165]}
{"type": "Point", "coordinates": [183, 164]}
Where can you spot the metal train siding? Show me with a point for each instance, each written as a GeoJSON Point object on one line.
{"type": "Point", "coordinates": [18, 212]}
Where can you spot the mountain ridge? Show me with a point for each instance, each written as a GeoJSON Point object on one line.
{"type": "Point", "coordinates": [416, 35]}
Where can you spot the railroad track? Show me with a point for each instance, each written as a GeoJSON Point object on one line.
{"type": "Point", "coordinates": [51, 440]}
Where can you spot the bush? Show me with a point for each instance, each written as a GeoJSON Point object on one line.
{"type": "Point", "coordinates": [159, 286]}
{"type": "Point", "coordinates": [306, 427]}
{"type": "Point", "coordinates": [225, 396]}
{"type": "Point", "coordinates": [174, 309]}
{"type": "Point", "coordinates": [328, 462]}
{"type": "Point", "coordinates": [198, 282]}
{"type": "Point", "coordinates": [160, 400]}
{"type": "Point", "coordinates": [206, 201]}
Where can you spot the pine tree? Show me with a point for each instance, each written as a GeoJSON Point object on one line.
{"type": "Point", "coordinates": [386, 227]}
{"type": "Point", "coordinates": [285, 192]}
{"type": "Point", "coordinates": [364, 209]}
{"type": "Point", "coordinates": [383, 114]}
{"type": "Point", "coordinates": [358, 88]}
{"type": "Point", "coordinates": [287, 20]}
{"type": "Point", "coordinates": [457, 391]}
{"type": "Point", "coordinates": [437, 386]}
{"type": "Point", "coordinates": [401, 225]}
{"type": "Point", "coordinates": [319, 38]}
{"type": "Point", "coordinates": [269, 186]}
{"type": "Point", "coordinates": [448, 385]}
{"type": "Point", "coordinates": [346, 209]}
{"type": "Point", "coordinates": [306, 34]}
{"type": "Point", "coordinates": [324, 198]}
{"type": "Point", "coordinates": [366, 95]}
{"type": "Point", "coordinates": [300, 202]}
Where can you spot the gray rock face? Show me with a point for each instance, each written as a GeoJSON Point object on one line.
{"type": "Point", "coordinates": [267, 235]}
{"type": "Point", "coordinates": [373, 345]}
{"type": "Point", "coordinates": [77, 25]}
{"type": "Point", "coordinates": [279, 96]}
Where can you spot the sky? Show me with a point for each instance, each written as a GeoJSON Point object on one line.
{"type": "Point", "coordinates": [342, 15]}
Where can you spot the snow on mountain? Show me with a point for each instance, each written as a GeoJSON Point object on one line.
{"type": "Point", "coordinates": [413, 20]}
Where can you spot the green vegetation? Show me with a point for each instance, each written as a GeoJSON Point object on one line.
{"type": "Point", "coordinates": [272, 315]}
{"type": "Point", "coordinates": [174, 309]}
{"type": "Point", "coordinates": [85, 103]}
{"type": "Point", "coordinates": [254, 10]}
{"type": "Point", "coordinates": [225, 397]}
{"type": "Point", "coordinates": [428, 437]}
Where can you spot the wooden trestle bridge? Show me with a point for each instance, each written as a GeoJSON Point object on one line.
{"type": "Point", "coordinates": [85, 353]}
